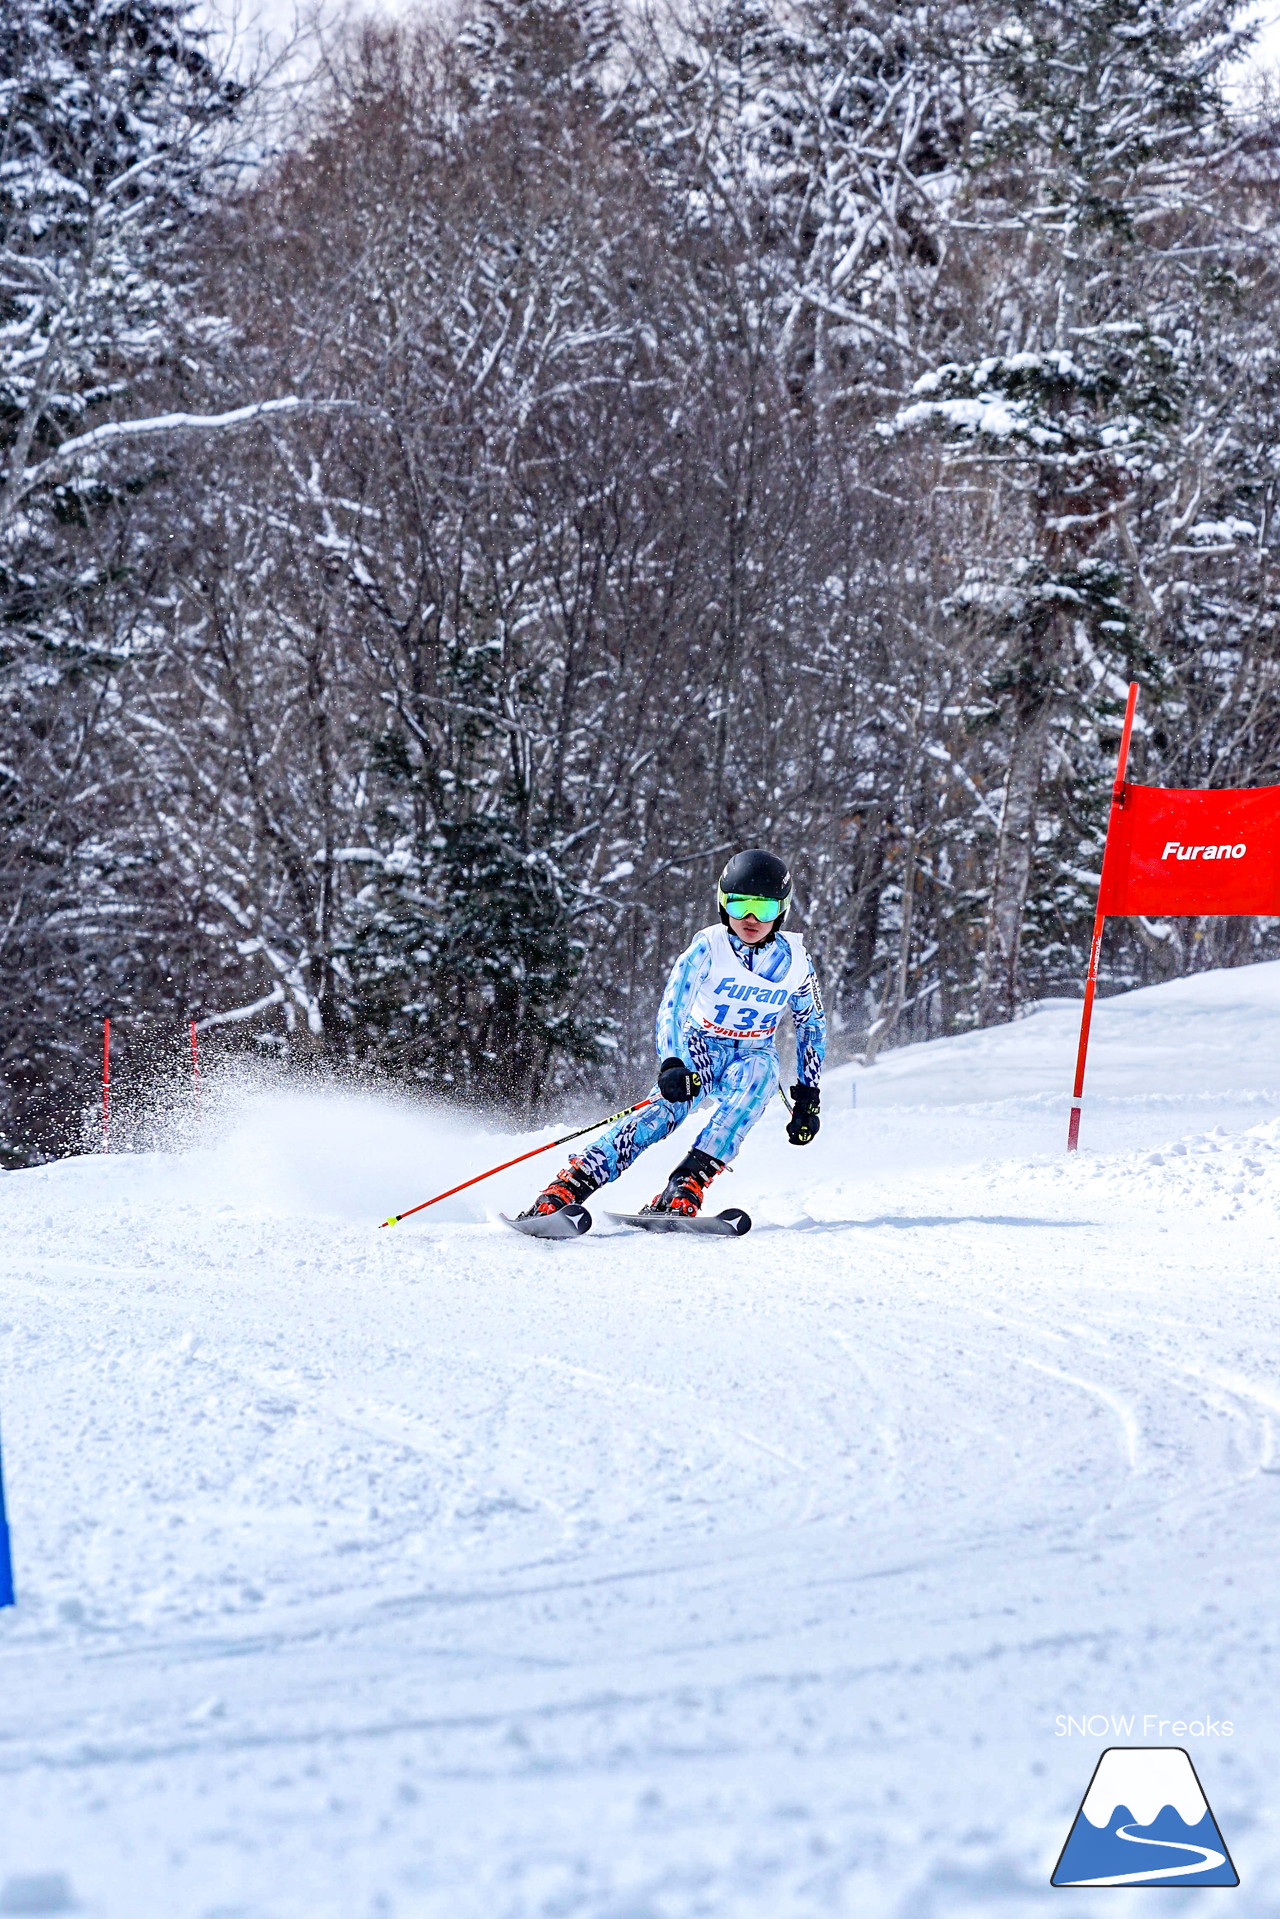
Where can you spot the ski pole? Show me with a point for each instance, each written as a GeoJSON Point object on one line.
{"type": "Point", "coordinates": [531, 1154]}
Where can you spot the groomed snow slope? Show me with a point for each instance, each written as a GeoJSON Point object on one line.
{"type": "Point", "coordinates": [437, 1574]}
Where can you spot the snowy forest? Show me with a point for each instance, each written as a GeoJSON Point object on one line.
{"type": "Point", "coordinates": [452, 499]}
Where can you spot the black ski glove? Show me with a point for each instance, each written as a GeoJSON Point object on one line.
{"type": "Point", "coordinates": [804, 1122]}
{"type": "Point", "coordinates": [677, 1082]}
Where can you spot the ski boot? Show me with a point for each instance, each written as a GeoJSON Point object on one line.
{"type": "Point", "coordinates": [684, 1191]}
{"type": "Point", "coordinates": [569, 1188]}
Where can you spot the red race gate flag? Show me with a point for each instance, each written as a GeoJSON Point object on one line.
{"type": "Point", "coordinates": [1179, 850]}
{"type": "Point", "coordinates": [1176, 850]}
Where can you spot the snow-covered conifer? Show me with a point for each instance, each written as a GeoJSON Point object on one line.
{"type": "Point", "coordinates": [106, 112]}
{"type": "Point", "coordinates": [1100, 132]}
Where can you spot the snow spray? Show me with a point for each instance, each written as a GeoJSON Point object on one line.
{"type": "Point", "coordinates": [6, 1558]}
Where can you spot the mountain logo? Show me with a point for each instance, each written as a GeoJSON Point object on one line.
{"type": "Point", "coordinates": [1144, 1822]}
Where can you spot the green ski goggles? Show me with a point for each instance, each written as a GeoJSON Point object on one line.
{"type": "Point", "coordinates": [741, 906]}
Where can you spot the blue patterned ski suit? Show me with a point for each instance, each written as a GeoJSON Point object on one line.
{"type": "Point", "coordinates": [739, 1075]}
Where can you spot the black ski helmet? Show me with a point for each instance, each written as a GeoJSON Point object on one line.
{"type": "Point", "coordinates": [756, 871]}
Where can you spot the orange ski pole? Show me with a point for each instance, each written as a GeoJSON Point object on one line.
{"type": "Point", "coordinates": [531, 1154]}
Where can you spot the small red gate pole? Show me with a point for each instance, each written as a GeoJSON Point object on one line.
{"type": "Point", "coordinates": [195, 1068]}
{"type": "Point", "coordinates": [1091, 981]}
{"type": "Point", "coordinates": [106, 1085]}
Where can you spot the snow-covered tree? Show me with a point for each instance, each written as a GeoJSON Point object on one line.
{"type": "Point", "coordinates": [1100, 136]}
{"type": "Point", "coordinates": [567, 551]}
{"type": "Point", "coordinates": [106, 112]}
{"type": "Point", "coordinates": [545, 57]}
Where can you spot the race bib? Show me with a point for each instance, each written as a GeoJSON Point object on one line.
{"type": "Point", "coordinates": [733, 1003]}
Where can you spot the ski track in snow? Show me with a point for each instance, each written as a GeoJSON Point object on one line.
{"type": "Point", "coordinates": [441, 1574]}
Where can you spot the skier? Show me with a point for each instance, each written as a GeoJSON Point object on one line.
{"type": "Point", "coordinates": [716, 1037]}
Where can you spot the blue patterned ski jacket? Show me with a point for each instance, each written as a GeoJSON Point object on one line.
{"type": "Point", "coordinates": [769, 962]}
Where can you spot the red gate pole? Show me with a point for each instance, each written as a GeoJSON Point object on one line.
{"type": "Point", "coordinates": [106, 1085]}
{"type": "Point", "coordinates": [1091, 981]}
{"type": "Point", "coordinates": [195, 1068]}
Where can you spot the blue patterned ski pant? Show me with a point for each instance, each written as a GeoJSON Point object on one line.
{"type": "Point", "coordinates": [740, 1080]}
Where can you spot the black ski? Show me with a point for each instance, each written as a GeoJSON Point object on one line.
{"type": "Point", "coordinates": [732, 1223]}
{"type": "Point", "coordinates": [571, 1222]}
